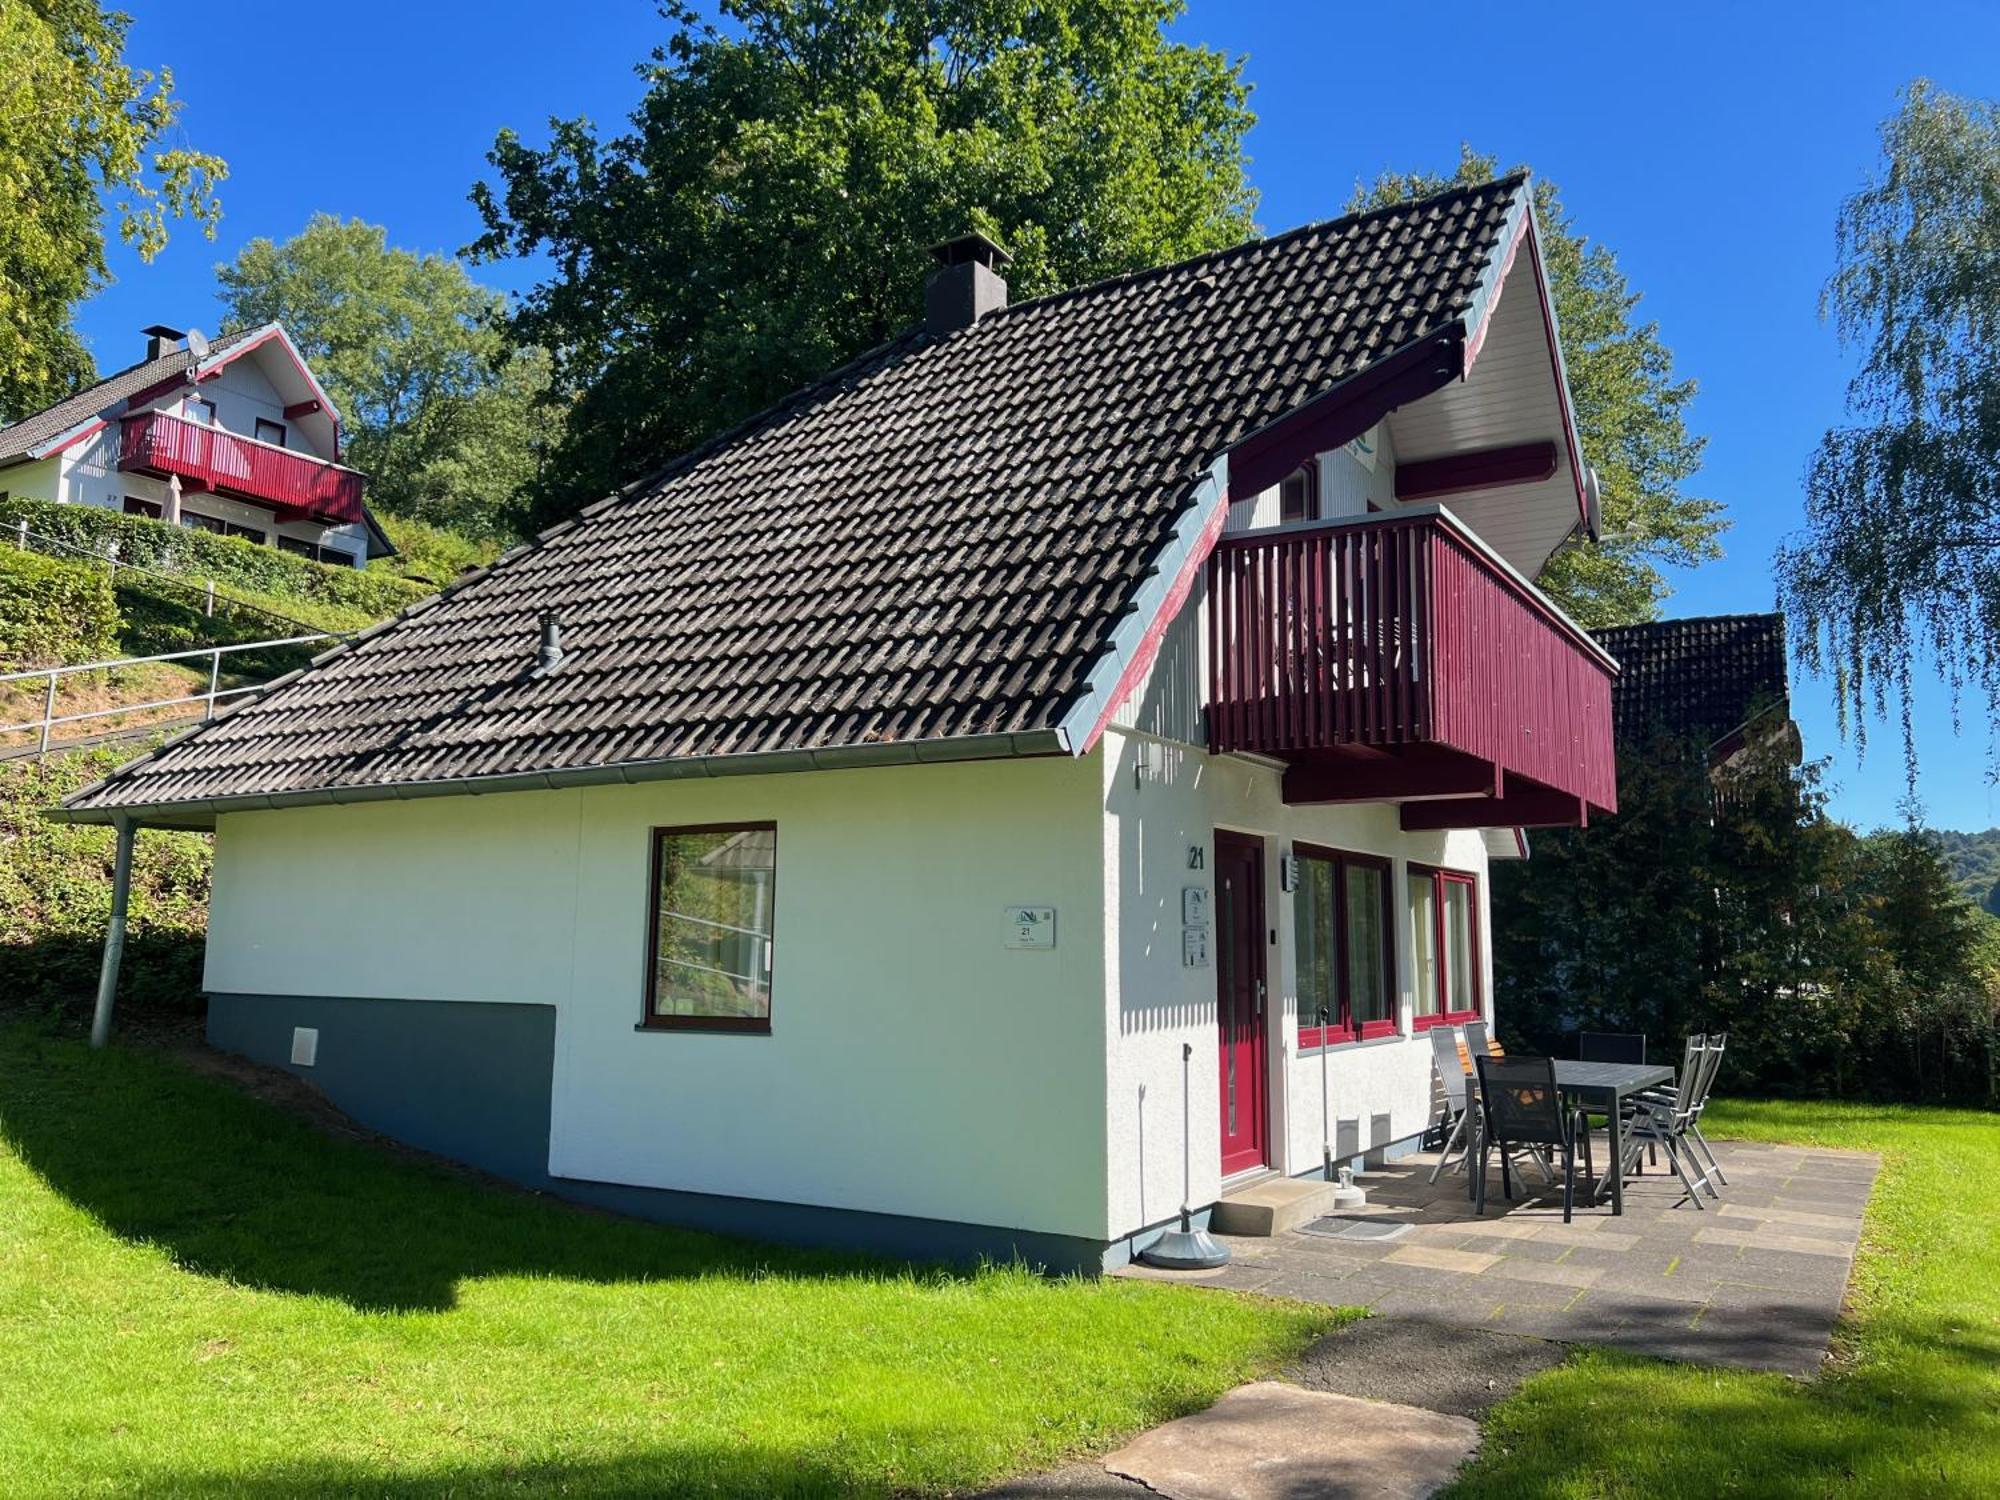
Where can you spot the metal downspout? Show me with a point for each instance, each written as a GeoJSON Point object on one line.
{"type": "Point", "coordinates": [114, 933]}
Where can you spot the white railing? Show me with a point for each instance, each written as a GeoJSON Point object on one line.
{"type": "Point", "coordinates": [215, 694]}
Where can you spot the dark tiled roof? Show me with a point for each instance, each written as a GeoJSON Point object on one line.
{"type": "Point", "coordinates": [936, 542]}
{"type": "Point", "coordinates": [18, 438]}
{"type": "Point", "coordinates": [1705, 676]}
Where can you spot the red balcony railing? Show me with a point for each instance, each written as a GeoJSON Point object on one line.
{"type": "Point", "coordinates": [290, 483]}
{"type": "Point", "coordinates": [1402, 631]}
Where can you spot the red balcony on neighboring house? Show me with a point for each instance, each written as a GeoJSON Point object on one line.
{"type": "Point", "coordinates": [295, 485]}
{"type": "Point", "coordinates": [1395, 658]}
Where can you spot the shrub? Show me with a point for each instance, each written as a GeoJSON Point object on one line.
{"type": "Point", "coordinates": [53, 612]}
{"type": "Point", "coordinates": [55, 896]}
{"type": "Point", "coordinates": [232, 562]}
{"type": "Point", "coordinates": [431, 554]}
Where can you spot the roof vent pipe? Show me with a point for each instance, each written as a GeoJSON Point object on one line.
{"type": "Point", "coordinates": [549, 656]}
{"type": "Point", "coordinates": [967, 285]}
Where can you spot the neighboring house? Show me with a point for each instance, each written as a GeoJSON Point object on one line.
{"type": "Point", "coordinates": [233, 437]}
{"type": "Point", "coordinates": [1716, 679]}
{"type": "Point", "coordinates": [841, 833]}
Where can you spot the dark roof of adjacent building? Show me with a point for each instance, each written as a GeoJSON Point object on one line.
{"type": "Point", "coordinates": [1705, 676]}
{"type": "Point", "coordinates": [19, 439]}
{"type": "Point", "coordinates": [931, 547]}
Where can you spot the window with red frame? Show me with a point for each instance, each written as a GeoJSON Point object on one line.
{"type": "Point", "coordinates": [1346, 964]}
{"type": "Point", "coordinates": [1444, 945]}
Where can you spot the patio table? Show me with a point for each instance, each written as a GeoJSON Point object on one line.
{"type": "Point", "coordinates": [1603, 1088]}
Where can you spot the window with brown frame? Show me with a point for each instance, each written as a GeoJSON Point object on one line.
{"type": "Point", "coordinates": [1346, 966]}
{"type": "Point", "coordinates": [270, 432]}
{"type": "Point", "coordinates": [711, 928]}
{"type": "Point", "coordinates": [134, 506]}
{"type": "Point", "coordinates": [1444, 945]}
{"type": "Point", "coordinates": [1298, 495]}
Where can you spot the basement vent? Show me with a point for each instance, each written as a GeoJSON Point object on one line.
{"type": "Point", "coordinates": [1379, 1231]}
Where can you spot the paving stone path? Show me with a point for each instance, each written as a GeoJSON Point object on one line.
{"type": "Point", "coordinates": [1466, 1308]}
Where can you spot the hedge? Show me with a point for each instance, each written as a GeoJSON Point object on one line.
{"type": "Point", "coordinates": [53, 612]}
{"type": "Point", "coordinates": [200, 555]}
{"type": "Point", "coordinates": [55, 896]}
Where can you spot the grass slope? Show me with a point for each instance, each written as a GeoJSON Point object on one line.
{"type": "Point", "coordinates": [199, 1295]}
{"type": "Point", "coordinates": [1913, 1408]}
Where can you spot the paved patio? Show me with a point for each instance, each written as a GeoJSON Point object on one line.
{"type": "Point", "coordinates": [1757, 1280]}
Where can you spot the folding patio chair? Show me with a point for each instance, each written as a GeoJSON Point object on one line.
{"type": "Point", "coordinates": [1716, 1042]}
{"type": "Point", "coordinates": [1660, 1117]}
{"type": "Point", "coordinates": [1522, 1108]}
{"type": "Point", "coordinates": [1454, 1075]}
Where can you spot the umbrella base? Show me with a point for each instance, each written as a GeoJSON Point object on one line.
{"type": "Point", "coordinates": [1186, 1250]}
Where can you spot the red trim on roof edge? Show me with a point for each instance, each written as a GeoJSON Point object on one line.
{"type": "Point", "coordinates": [158, 389]}
{"type": "Point", "coordinates": [216, 364]}
{"type": "Point", "coordinates": [1350, 408]}
{"type": "Point", "coordinates": [59, 443]}
{"type": "Point", "coordinates": [1177, 597]}
{"type": "Point", "coordinates": [1476, 340]}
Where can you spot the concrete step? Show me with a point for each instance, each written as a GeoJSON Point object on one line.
{"type": "Point", "coordinates": [1271, 1205]}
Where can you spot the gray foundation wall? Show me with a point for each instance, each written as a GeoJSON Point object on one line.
{"type": "Point", "coordinates": [473, 1082]}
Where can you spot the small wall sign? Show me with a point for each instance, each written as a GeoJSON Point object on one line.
{"type": "Point", "coordinates": [1029, 927]}
{"type": "Point", "coordinates": [1197, 857]}
{"type": "Point", "coordinates": [1194, 947]}
{"type": "Point", "coordinates": [1194, 906]}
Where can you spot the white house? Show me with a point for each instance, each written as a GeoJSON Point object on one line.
{"type": "Point", "coordinates": [234, 437]}
{"type": "Point", "coordinates": [858, 830]}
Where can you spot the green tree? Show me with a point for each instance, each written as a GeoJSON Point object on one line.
{"type": "Point", "coordinates": [767, 215]}
{"type": "Point", "coordinates": [1899, 560]}
{"type": "Point", "coordinates": [1838, 965]}
{"type": "Point", "coordinates": [1631, 414]}
{"type": "Point", "coordinates": [80, 141]}
{"type": "Point", "coordinates": [451, 424]}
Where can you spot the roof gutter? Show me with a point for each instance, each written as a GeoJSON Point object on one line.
{"type": "Point", "coordinates": [201, 812]}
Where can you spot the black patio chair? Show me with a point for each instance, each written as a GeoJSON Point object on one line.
{"type": "Point", "coordinates": [1523, 1109]}
{"type": "Point", "coordinates": [1611, 1047]}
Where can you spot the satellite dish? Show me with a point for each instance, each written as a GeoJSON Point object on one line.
{"type": "Point", "coordinates": [197, 343]}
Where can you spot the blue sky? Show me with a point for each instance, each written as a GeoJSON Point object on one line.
{"type": "Point", "coordinates": [1708, 145]}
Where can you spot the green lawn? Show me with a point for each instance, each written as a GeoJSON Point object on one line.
{"type": "Point", "coordinates": [1913, 1409]}
{"type": "Point", "coordinates": [200, 1295]}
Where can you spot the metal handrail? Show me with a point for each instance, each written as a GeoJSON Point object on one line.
{"type": "Point", "coordinates": [215, 694]}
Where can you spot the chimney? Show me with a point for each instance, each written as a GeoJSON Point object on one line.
{"type": "Point", "coordinates": [161, 339]}
{"type": "Point", "coordinates": [968, 284]}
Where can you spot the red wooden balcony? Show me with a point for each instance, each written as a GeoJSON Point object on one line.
{"type": "Point", "coordinates": [293, 484]}
{"type": "Point", "coordinates": [1395, 658]}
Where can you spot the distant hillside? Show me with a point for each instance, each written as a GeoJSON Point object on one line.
{"type": "Point", "coordinates": [1975, 864]}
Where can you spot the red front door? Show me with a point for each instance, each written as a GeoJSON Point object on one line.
{"type": "Point", "coordinates": [1239, 998]}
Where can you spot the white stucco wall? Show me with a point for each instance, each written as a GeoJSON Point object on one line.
{"type": "Point", "coordinates": [41, 480]}
{"type": "Point", "coordinates": [915, 1065]}
{"type": "Point", "coordinates": [1160, 799]}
